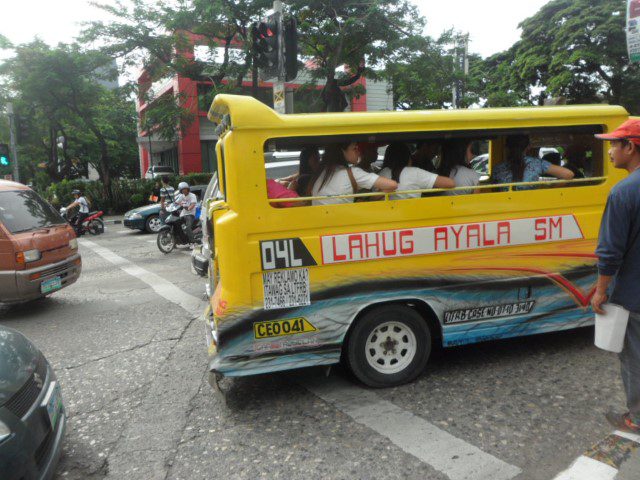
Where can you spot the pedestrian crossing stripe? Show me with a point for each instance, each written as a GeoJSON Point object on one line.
{"type": "Point", "coordinates": [603, 460]}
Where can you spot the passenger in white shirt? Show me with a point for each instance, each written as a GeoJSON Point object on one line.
{"type": "Point", "coordinates": [456, 155]}
{"type": "Point", "coordinates": [338, 176]}
{"type": "Point", "coordinates": [396, 166]}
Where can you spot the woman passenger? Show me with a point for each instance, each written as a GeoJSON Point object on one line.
{"type": "Point", "coordinates": [520, 167]}
{"type": "Point", "coordinates": [368, 156]}
{"type": "Point", "coordinates": [338, 175]}
{"type": "Point", "coordinates": [456, 156]}
{"type": "Point", "coordinates": [396, 166]}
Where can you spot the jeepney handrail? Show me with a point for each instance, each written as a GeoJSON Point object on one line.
{"type": "Point", "coordinates": [387, 195]}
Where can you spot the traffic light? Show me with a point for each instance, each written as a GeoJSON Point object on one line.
{"type": "Point", "coordinates": [290, 49]}
{"type": "Point", "coordinates": [267, 44]}
{"type": "Point", "coordinates": [4, 155]}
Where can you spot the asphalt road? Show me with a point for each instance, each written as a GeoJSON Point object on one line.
{"type": "Point", "coordinates": [128, 346]}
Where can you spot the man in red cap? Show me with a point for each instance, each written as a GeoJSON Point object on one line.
{"type": "Point", "coordinates": [618, 254]}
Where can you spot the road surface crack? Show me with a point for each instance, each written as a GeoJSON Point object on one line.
{"type": "Point", "coordinates": [120, 352]}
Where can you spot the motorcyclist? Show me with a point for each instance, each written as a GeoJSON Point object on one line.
{"type": "Point", "coordinates": [83, 210]}
{"type": "Point", "coordinates": [187, 201]}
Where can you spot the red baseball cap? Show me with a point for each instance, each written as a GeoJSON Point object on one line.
{"type": "Point", "coordinates": [629, 130]}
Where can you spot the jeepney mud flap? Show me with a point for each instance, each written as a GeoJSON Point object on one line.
{"type": "Point", "coordinates": [214, 379]}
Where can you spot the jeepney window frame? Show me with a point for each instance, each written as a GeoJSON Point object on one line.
{"type": "Point", "coordinates": [489, 134]}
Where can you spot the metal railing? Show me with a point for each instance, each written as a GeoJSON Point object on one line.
{"type": "Point", "coordinates": [500, 187]}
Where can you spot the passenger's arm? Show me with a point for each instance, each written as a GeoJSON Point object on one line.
{"type": "Point", "coordinates": [287, 180]}
{"type": "Point", "coordinates": [444, 182]}
{"type": "Point", "coordinates": [383, 184]}
{"type": "Point", "coordinates": [559, 172]}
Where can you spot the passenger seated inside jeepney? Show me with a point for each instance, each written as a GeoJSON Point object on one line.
{"type": "Point", "coordinates": [368, 156]}
{"type": "Point", "coordinates": [456, 155]}
{"type": "Point", "coordinates": [340, 175]}
{"type": "Point", "coordinates": [426, 155]}
{"type": "Point", "coordinates": [520, 167]}
{"type": "Point", "coordinates": [309, 164]}
{"type": "Point", "coordinates": [397, 159]}
{"type": "Point", "coordinates": [275, 190]}
{"type": "Point", "coordinates": [575, 159]}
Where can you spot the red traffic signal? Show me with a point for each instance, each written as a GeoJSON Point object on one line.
{"type": "Point", "coordinates": [266, 43]}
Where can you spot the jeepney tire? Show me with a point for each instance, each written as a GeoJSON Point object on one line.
{"type": "Point", "coordinates": [367, 337]}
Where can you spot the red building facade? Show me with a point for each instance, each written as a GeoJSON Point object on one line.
{"type": "Point", "coordinates": [194, 149]}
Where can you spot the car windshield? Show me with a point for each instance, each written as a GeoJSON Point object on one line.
{"type": "Point", "coordinates": [24, 210]}
{"type": "Point", "coordinates": [163, 169]}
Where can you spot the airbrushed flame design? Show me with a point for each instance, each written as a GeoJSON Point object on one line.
{"type": "Point", "coordinates": [561, 282]}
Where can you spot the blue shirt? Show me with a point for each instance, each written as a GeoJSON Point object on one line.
{"type": "Point", "coordinates": [619, 242]}
{"type": "Point", "coordinates": [533, 169]}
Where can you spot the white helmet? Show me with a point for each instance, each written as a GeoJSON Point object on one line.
{"type": "Point", "coordinates": [182, 186]}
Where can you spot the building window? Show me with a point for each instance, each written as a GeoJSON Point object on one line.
{"type": "Point", "coordinates": [209, 160]}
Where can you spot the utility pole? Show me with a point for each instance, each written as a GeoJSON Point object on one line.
{"type": "Point", "coordinates": [279, 97]}
{"type": "Point", "coordinates": [12, 141]}
{"type": "Point", "coordinates": [461, 63]}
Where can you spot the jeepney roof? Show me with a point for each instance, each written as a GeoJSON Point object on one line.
{"type": "Point", "coordinates": [244, 112]}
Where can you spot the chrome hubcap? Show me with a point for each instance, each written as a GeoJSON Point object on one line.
{"type": "Point", "coordinates": [155, 224]}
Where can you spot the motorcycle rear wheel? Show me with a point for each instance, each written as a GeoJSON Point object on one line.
{"type": "Point", "coordinates": [165, 241]}
{"type": "Point", "coordinates": [95, 227]}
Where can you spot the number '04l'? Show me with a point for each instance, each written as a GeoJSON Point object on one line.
{"type": "Point", "coordinates": [279, 254]}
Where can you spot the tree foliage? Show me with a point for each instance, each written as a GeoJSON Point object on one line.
{"type": "Point", "coordinates": [59, 92]}
{"type": "Point", "coordinates": [361, 36]}
{"type": "Point", "coordinates": [570, 48]}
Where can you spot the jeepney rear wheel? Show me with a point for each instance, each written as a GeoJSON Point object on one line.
{"type": "Point", "coordinates": [389, 346]}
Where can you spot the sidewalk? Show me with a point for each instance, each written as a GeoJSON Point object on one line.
{"type": "Point", "coordinates": [111, 219]}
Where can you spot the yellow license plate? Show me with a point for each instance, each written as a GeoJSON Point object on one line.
{"type": "Point", "coordinates": [279, 328]}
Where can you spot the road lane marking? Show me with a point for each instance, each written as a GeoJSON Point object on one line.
{"type": "Point", "coordinates": [446, 453]}
{"type": "Point", "coordinates": [585, 468]}
{"type": "Point", "coordinates": [160, 285]}
{"type": "Point", "coordinates": [604, 459]}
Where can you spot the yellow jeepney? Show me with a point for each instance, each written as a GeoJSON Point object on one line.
{"type": "Point", "coordinates": [379, 282]}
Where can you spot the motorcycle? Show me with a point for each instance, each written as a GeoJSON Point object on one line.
{"type": "Point", "coordinates": [92, 224]}
{"type": "Point", "coordinates": [174, 230]}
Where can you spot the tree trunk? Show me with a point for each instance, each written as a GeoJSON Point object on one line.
{"type": "Point", "coordinates": [333, 98]}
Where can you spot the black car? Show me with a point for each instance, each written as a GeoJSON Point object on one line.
{"type": "Point", "coordinates": [32, 416]}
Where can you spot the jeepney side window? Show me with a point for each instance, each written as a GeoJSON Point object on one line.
{"type": "Point", "coordinates": [222, 168]}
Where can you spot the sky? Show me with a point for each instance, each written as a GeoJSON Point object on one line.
{"type": "Point", "coordinates": [492, 24]}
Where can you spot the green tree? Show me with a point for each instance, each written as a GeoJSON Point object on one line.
{"type": "Point", "coordinates": [497, 81]}
{"type": "Point", "coordinates": [58, 92]}
{"type": "Point", "coordinates": [159, 36]}
{"type": "Point", "coordinates": [358, 35]}
{"type": "Point", "coordinates": [577, 49]}
{"type": "Point", "coordinates": [422, 73]}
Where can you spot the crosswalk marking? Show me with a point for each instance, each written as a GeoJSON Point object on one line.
{"type": "Point", "coordinates": [446, 453]}
{"type": "Point", "coordinates": [602, 461]}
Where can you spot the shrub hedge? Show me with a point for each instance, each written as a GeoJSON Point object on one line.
{"type": "Point", "coordinates": [125, 193]}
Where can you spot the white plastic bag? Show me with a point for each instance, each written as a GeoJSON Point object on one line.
{"type": "Point", "coordinates": [611, 328]}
